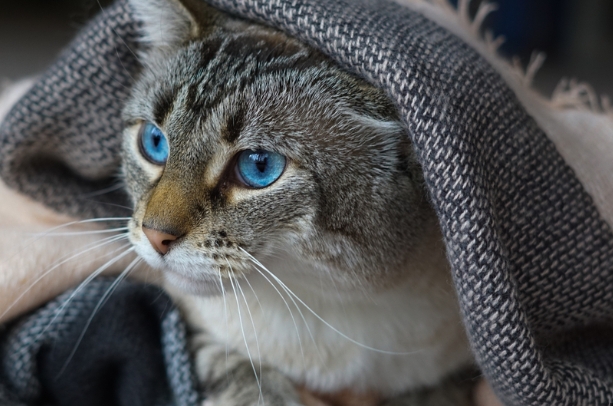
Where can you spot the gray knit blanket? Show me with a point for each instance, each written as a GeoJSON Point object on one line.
{"type": "Point", "coordinates": [531, 257]}
{"type": "Point", "coordinates": [127, 348]}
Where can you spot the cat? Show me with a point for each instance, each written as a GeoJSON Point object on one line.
{"type": "Point", "coordinates": [281, 198]}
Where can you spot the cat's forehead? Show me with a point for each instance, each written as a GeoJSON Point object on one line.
{"type": "Point", "coordinates": [253, 89]}
{"type": "Point", "coordinates": [203, 73]}
{"type": "Point", "coordinates": [237, 76]}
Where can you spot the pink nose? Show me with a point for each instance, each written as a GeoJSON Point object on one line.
{"type": "Point", "coordinates": [159, 240]}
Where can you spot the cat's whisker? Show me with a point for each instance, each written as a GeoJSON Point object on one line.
{"type": "Point", "coordinates": [83, 284]}
{"type": "Point", "coordinates": [72, 223]}
{"type": "Point", "coordinates": [77, 233]}
{"type": "Point", "coordinates": [249, 310]}
{"type": "Point", "coordinates": [121, 62]}
{"type": "Point", "coordinates": [100, 192]}
{"type": "Point", "coordinates": [99, 219]}
{"type": "Point", "coordinates": [121, 206]}
{"type": "Point", "coordinates": [291, 293]}
{"type": "Point", "coordinates": [254, 294]}
{"type": "Point", "coordinates": [92, 246]}
{"type": "Point", "coordinates": [86, 248]}
{"type": "Point", "coordinates": [240, 318]}
{"type": "Point", "coordinates": [99, 305]}
{"type": "Point", "coordinates": [225, 315]}
{"type": "Point", "coordinates": [306, 324]}
{"type": "Point", "coordinates": [255, 334]}
{"type": "Point", "coordinates": [97, 244]}
{"type": "Point", "coordinates": [129, 49]}
{"type": "Point", "coordinates": [290, 313]}
{"type": "Point", "coordinates": [341, 302]}
{"type": "Point", "coordinates": [103, 11]}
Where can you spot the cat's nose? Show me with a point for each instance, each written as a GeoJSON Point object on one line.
{"type": "Point", "coordinates": [159, 240]}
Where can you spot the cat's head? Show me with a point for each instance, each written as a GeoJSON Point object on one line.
{"type": "Point", "coordinates": [242, 141]}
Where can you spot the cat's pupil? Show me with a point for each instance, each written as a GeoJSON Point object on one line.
{"type": "Point", "coordinates": [156, 140]}
{"type": "Point", "coordinates": [261, 162]}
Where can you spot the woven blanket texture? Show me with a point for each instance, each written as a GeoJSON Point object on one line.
{"type": "Point", "coordinates": [531, 257]}
{"type": "Point", "coordinates": [106, 343]}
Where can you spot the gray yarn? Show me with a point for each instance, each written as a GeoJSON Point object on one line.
{"type": "Point", "coordinates": [60, 143]}
{"type": "Point", "coordinates": [22, 345]}
{"type": "Point", "coordinates": [6, 399]}
{"type": "Point", "coordinates": [530, 255]}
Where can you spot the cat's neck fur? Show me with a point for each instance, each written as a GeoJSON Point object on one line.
{"type": "Point", "coordinates": [419, 317]}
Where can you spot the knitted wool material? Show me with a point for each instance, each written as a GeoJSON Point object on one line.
{"type": "Point", "coordinates": [102, 349]}
{"type": "Point", "coordinates": [531, 258]}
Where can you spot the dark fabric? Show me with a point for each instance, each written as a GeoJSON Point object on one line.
{"type": "Point", "coordinates": [531, 257]}
{"type": "Point", "coordinates": [66, 153]}
{"type": "Point", "coordinates": [90, 347]}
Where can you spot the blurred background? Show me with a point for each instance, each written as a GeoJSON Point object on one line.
{"type": "Point", "coordinates": [576, 35]}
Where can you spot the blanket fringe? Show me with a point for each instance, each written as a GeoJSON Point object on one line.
{"type": "Point", "coordinates": [580, 96]}
{"type": "Point", "coordinates": [568, 95]}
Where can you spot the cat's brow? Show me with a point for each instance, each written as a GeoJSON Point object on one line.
{"type": "Point", "coordinates": [163, 105]}
{"type": "Point", "coordinates": [228, 65]}
{"type": "Point", "coordinates": [234, 126]}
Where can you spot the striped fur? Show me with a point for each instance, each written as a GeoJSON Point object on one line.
{"type": "Point", "coordinates": [348, 226]}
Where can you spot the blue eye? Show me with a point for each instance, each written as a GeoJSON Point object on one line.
{"type": "Point", "coordinates": [153, 144]}
{"type": "Point", "coordinates": [259, 169]}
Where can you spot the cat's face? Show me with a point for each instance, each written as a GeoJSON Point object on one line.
{"type": "Point", "coordinates": [243, 142]}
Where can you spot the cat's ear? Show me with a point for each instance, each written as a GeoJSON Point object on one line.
{"type": "Point", "coordinates": [168, 23]}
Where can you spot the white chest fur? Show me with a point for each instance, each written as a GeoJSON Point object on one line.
{"type": "Point", "coordinates": [387, 342]}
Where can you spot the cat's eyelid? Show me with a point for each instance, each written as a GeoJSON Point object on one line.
{"type": "Point", "coordinates": [134, 121]}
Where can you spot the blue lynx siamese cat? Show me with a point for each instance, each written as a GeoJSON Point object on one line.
{"type": "Point", "coordinates": [281, 198]}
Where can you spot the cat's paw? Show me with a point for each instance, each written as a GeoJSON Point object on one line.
{"type": "Point", "coordinates": [241, 388]}
{"type": "Point", "coordinates": [230, 379]}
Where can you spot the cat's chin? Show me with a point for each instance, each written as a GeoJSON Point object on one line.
{"type": "Point", "coordinates": [203, 285]}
